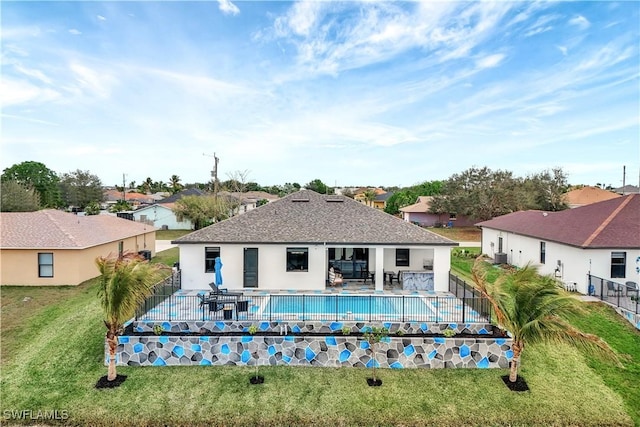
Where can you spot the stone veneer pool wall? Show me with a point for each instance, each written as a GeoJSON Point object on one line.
{"type": "Point", "coordinates": [297, 349]}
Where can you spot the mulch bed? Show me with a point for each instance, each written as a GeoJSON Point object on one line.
{"type": "Point", "coordinates": [256, 379]}
{"type": "Point", "coordinates": [374, 383]}
{"type": "Point", "coordinates": [519, 385]}
{"type": "Point", "coordinates": [104, 383]}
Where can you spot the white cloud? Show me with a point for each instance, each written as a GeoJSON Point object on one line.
{"type": "Point", "coordinates": [490, 61]}
{"type": "Point", "coordinates": [562, 49]}
{"type": "Point", "coordinates": [19, 92]}
{"type": "Point", "coordinates": [228, 8]}
{"type": "Point", "coordinates": [580, 22]}
{"type": "Point", "coordinates": [75, 32]}
{"type": "Point", "coordinates": [93, 82]}
{"type": "Point", "coordinates": [101, 18]}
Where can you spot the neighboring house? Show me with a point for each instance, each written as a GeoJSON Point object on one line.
{"type": "Point", "coordinates": [359, 195]}
{"type": "Point", "coordinates": [292, 242]}
{"type": "Point", "coordinates": [161, 216]}
{"type": "Point", "coordinates": [249, 200]}
{"type": "Point", "coordinates": [602, 239]}
{"type": "Point", "coordinates": [587, 195]}
{"type": "Point", "coordinates": [113, 196]}
{"type": "Point", "coordinates": [419, 214]}
{"type": "Point", "coordinates": [380, 201]}
{"type": "Point", "coordinates": [51, 247]}
{"type": "Point", "coordinates": [180, 194]}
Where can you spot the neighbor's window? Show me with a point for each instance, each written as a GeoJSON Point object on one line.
{"type": "Point", "coordinates": [402, 257]}
{"type": "Point", "coordinates": [210, 255]}
{"type": "Point", "coordinates": [45, 265]}
{"type": "Point", "coordinates": [543, 252]}
{"type": "Point", "coordinates": [120, 248]}
{"type": "Point", "coordinates": [297, 259]}
{"type": "Point", "coordinates": [500, 244]}
{"type": "Point", "coordinates": [618, 264]}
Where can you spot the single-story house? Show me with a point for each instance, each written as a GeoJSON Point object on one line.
{"type": "Point", "coordinates": [380, 201]}
{"type": "Point", "coordinates": [248, 200]}
{"type": "Point", "coordinates": [602, 239]}
{"type": "Point", "coordinates": [292, 242]}
{"type": "Point", "coordinates": [161, 215]}
{"type": "Point", "coordinates": [587, 195]}
{"type": "Point", "coordinates": [51, 247]}
{"type": "Point", "coordinates": [360, 195]}
{"type": "Point", "coordinates": [419, 213]}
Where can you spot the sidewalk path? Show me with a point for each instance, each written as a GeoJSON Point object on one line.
{"type": "Point", "coordinates": [163, 245]}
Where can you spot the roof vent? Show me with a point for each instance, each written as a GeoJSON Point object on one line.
{"type": "Point", "coordinates": [335, 199]}
{"type": "Point", "coordinates": [300, 199]}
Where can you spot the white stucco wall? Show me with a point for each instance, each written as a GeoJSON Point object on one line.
{"type": "Point", "coordinates": [575, 263]}
{"type": "Point", "coordinates": [272, 272]}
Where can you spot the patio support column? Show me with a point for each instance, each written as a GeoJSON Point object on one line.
{"type": "Point", "coordinates": [379, 268]}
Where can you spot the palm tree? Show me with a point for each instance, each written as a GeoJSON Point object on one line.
{"type": "Point", "coordinates": [125, 282]}
{"type": "Point", "coordinates": [535, 309]}
{"type": "Point", "coordinates": [369, 197]}
{"type": "Point", "coordinates": [174, 183]}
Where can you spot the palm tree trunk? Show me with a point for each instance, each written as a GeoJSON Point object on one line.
{"type": "Point", "coordinates": [112, 341]}
{"type": "Point", "coordinates": [515, 361]}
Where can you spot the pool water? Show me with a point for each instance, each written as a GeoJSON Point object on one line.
{"type": "Point", "coordinates": [344, 304]}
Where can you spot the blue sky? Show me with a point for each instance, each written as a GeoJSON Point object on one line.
{"type": "Point", "coordinates": [353, 93]}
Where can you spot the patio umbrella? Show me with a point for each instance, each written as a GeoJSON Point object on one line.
{"type": "Point", "coordinates": [218, 268]}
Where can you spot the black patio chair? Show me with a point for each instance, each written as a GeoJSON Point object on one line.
{"type": "Point", "coordinates": [613, 289]}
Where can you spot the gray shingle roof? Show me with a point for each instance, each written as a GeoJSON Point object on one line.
{"type": "Point", "coordinates": [52, 229]}
{"type": "Point", "coordinates": [613, 223]}
{"type": "Point", "coordinates": [309, 217]}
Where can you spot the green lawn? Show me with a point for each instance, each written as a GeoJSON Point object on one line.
{"type": "Point", "coordinates": [171, 234]}
{"type": "Point", "coordinates": [55, 344]}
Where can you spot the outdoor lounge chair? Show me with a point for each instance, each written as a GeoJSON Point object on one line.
{"type": "Point", "coordinates": [335, 278]}
{"type": "Point", "coordinates": [632, 288]}
{"type": "Point", "coordinates": [217, 290]}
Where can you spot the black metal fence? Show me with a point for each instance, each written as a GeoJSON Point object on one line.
{"type": "Point", "coordinates": [623, 295]}
{"type": "Point", "coordinates": [470, 297]}
{"type": "Point", "coordinates": [320, 307]}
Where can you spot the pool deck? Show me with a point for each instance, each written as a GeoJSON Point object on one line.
{"type": "Point", "coordinates": [184, 306]}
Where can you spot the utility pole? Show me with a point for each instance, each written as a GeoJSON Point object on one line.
{"type": "Point", "coordinates": [124, 192]}
{"type": "Point", "coordinates": [214, 173]}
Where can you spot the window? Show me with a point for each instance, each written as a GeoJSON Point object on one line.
{"type": "Point", "coordinates": [543, 252]}
{"type": "Point", "coordinates": [210, 255]}
{"type": "Point", "coordinates": [120, 248]}
{"type": "Point", "coordinates": [402, 257]}
{"type": "Point", "coordinates": [297, 259]}
{"type": "Point", "coordinates": [618, 264]}
{"type": "Point", "coordinates": [500, 244]}
{"type": "Point", "coordinates": [45, 265]}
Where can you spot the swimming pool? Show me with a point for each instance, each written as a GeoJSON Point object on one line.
{"type": "Point", "coordinates": [358, 307]}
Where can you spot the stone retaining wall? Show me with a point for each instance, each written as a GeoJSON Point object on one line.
{"type": "Point", "coordinates": [321, 351]}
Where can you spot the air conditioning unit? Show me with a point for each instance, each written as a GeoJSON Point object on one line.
{"type": "Point", "coordinates": [500, 258]}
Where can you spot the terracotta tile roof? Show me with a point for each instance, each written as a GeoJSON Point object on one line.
{"type": "Point", "coordinates": [52, 229]}
{"type": "Point", "coordinates": [309, 217]}
{"type": "Point", "coordinates": [613, 223]}
{"type": "Point", "coordinates": [115, 195]}
{"type": "Point", "coordinates": [587, 195]}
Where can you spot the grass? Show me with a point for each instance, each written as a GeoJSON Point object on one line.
{"type": "Point", "coordinates": [168, 257]}
{"type": "Point", "coordinates": [459, 234]}
{"type": "Point", "coordinates": [171, 234]}
{"type": "Point", "coordinates": [56, 357]}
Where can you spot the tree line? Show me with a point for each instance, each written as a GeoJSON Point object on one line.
{"type": "Point", "coordinates": [480, 193]}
